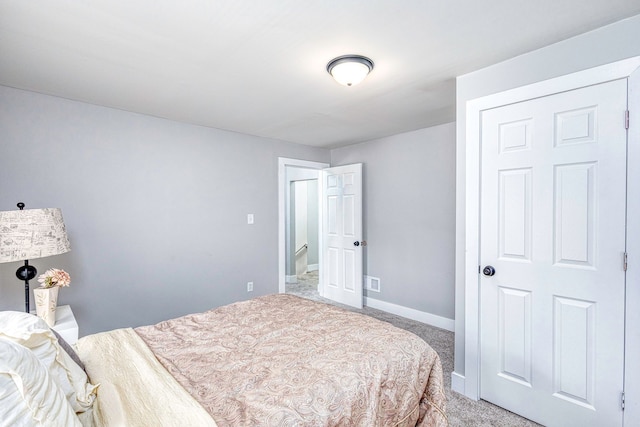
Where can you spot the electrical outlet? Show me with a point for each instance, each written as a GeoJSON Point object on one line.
{"type": "Point", "coordinates": [249, 218]}
{"type": "Point", "coordinates": [249, 286]}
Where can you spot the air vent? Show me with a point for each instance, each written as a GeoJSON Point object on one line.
{"type": "Point", "coordinates": [372, 283]}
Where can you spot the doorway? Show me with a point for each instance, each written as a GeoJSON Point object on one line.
{"type": "Point", "coordinates": [302, 245]}
{"type": "Point", "coordinates": [290, 171]}
{"type": "Point", "coordinates": [340, 240]}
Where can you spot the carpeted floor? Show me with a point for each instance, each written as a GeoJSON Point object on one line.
{"type": "Point", "coordinates": [462, 412]}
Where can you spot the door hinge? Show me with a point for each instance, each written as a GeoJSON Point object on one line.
{"type": "Point", "coordinates": [624, 261]}
{"type": "Point", "coordinates": [622, 400]}
{"type": "Point", "coordinates": [626, 119]}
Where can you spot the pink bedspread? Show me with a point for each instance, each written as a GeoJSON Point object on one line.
{"type": "Point", "coordinates": [286, 361]}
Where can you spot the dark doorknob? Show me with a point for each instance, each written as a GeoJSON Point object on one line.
{"type": "Point", "coordinates": [356, 243]}
{"type": "Point", "coordinates": [488, 271]}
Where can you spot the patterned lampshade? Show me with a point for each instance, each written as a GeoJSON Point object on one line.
{"type": "Point", "coordinates": [32, 233]}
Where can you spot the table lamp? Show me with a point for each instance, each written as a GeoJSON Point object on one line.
{"type": "Point", "coordinates": [29, 234]}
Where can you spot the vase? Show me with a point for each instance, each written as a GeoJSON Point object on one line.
{"type": "Point", "coordinates": [46, 303]}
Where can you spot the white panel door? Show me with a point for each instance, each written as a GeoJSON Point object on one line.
{"type": "Point", "coordinates": [553, 201]}
{"type": "Point", "coordinates": [342, 234]}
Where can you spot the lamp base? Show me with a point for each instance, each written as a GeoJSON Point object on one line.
{"type": "Point", "coordinates": [26, 273]}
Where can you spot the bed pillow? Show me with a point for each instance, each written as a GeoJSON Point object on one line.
{"type": "Point", "coordinates": [34, 333]}
{"type": "Point", "coordinates": [28, 395]}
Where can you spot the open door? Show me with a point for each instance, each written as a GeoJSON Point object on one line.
{"type": "Point", "coordinates": [342, 244]}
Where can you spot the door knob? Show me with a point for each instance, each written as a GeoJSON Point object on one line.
{"type": "Point", "coordinates": [488, 271]}
{"type": "Point", "coordinates": [356, 243]}
{"type": "Point", "coordinates": [363, 243]}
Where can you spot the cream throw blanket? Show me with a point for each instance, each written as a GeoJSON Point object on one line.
{"type": "Point", "coordinates": [138, 391]}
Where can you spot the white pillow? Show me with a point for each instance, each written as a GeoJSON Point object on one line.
{"type": "Point", "coordinates": [28, 395]}
{"type": "Point", "coordinates": [34, 333]}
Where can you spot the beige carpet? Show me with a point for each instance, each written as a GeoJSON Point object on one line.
{"type": "Point", "coordinates": [462, 412]}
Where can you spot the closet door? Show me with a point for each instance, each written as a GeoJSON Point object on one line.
{"type": "Point", "coordinates": [552, 287]}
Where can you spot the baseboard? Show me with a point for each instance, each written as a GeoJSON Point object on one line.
{"type": "Point", "coordinates": [312, 267]}
{"type": "Point", "coordinates": [457, 382]}
{"type": "Point", "coordinates": [410, 313]}
{"type": "Point", "coordinates": [291, 279]}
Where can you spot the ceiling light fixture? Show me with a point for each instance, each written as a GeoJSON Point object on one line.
{"type": "Point", "coordinates": [349, 70]}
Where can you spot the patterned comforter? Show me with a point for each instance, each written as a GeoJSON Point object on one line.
{"type": "Point", "coordinates": [281, 360]}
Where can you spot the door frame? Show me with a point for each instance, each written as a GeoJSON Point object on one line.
{"type": "Point", "coordinates": [617, 70]}
{"type": "Point", "coordinates": [283, 162]}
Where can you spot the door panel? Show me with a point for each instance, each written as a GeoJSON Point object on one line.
{"type": "Point", "coordinates": [515, 214]}
{"type": "Point", "coordinates": [574, 344]}
{"type": "Point", "coordinates": [553, 187]}
{"type": "Point", "coordinates": [342, 226]}
{"type": "Point", "coordinates": [514, 331]}
{"type": "Point", "coordinates": [575, 198]}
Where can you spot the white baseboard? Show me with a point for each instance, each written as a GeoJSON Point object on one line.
{"type": "Point", "coordinates": [291, 279]}
{"type": "Point", "coordinates": [312, 267]}
{"type": "Point", "coordinates": [410, 313]}
{"type": "Point", "coordinates": [457, 382]}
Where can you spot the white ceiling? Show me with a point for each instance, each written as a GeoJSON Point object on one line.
{"type": "Point", "coordinates": [259, 67]}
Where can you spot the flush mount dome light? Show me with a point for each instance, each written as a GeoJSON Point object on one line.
{"type": "Point", "coordinates": [349, 70]}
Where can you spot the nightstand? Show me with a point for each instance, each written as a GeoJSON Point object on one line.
{"type": "Point", "coordinates": [66, 324]}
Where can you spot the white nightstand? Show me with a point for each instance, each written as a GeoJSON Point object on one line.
{"type": "Point", "coordinates": [66, 324]}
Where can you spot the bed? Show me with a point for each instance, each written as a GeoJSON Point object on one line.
{"type": "Point", "coordinates": [277, 360]}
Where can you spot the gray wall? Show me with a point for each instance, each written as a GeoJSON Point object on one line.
{"type": "Point", "coordinates": [156, 210]}
{"type": "Point", "coordinates": [409, 216]}
{"type": "Point", "coordinates": [602, 46]}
